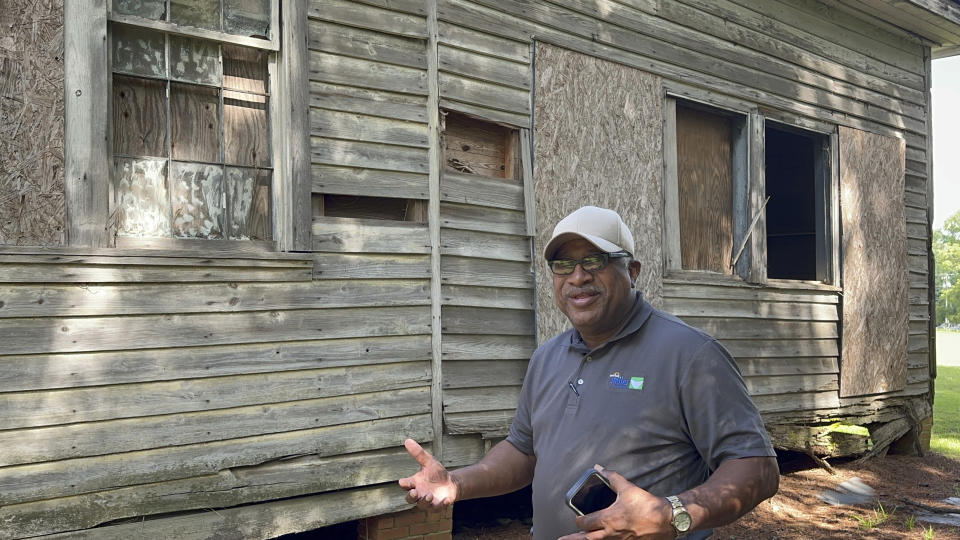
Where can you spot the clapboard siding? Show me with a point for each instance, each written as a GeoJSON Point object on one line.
{"type": "Point", "coordinates": [78, 370]}
{"type": "Point", "coordinates": [349, 235]}
{"type": "Point", "coordinates": [365, 15]}
{"type": "Point", "coordinates": [355, 181]}
{"type": "Point", "coordinates": [279, 480]}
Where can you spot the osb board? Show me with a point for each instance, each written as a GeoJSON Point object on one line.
{"type": "Point", "coordinates": [597, 141]}
{"type": "Point", "coordinates": [705, 185]}
{"type": "Point", "coordinates": [875, 286]}
{"type": "Point", "coordinates": [32, 208]}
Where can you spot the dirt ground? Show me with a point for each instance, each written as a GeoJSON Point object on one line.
{"type": "Point", "coordinates": [905, 487]}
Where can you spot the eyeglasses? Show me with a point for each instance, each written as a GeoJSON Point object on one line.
{"type": "Point", "coordinates": [590, 263]}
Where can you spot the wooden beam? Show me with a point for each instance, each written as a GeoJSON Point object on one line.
{"type": "Point", "coordinates": [86, 124]}
{"type": "Point", "coordinates": [435, 155]}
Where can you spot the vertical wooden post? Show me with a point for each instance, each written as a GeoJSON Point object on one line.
{"type": "Point", "coordinates": [86, 122]}
{"type": "Point", "coordinates": [931, 265]}
{"type": "Point", "coordinates": [757, 272]}
{"type": "Point", "coordinates": [671, 190]}
{"type": "Point", "coordinates": [433, 220]}
{"type": "Point", "coordinates": [292, 205]}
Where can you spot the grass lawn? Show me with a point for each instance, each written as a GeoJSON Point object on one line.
{"type": "Point", "coordinates": [945, 438]}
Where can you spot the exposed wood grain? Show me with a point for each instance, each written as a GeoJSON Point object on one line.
{"type": "Point", "coordinates": [82, 475]}
{"type": "Point", "coordinates": [459, 400]}
{"type": "Point", "coordinates": [484, 94]}
{"type": "Point", "coordinates": [331, 68]}
{"type": "Point", "coordinates": [487, 347]}
{"type": "Point", "coordinates": [365, 182]}
{"type": "Point", "coordinates": [486, 113]}
{"type": "Point", "coordinates": [589, 151]}
{"type": "Point", "coordinates": [139, 117]}
{"type": "Point", "coordinates": [141, 299]}
{"type": "Point", "coordinates": [170, 397]}
{"type": "Point", "coordinates": [368, 155]}
{"type": "Point", "coordinates": [729, 328]}
{"type": "Point", "coordinates": [485, 272]}
{"type": "Point", "coordinates": [371, 266]}
{"type": "Point", "coordinates": [790, 384]}
{"type": "Point", "coordinates": [373, 102]}
{"type": "Point", "coordinates": [347, 235]}
{"type": "Point", "coordinates": [196, 192]}
{"type": "Point", "coordinates": [488, 44]}
{"type": "Point", "coordinates": [370, 17]}
{"type": "Point", "coordinates": [194, 123]}
{"type": "Point", "coordinates": [37, 336]}
{"type": "Point", "coordinates": [484, 245]}
{"type": "Point", "coordinates": [487, 423]}
{"type": "Point", "coordinates": [87, 104]}
{"type": "Point", "coordinates": [673, 289]}
{"type": "Point", "coordinates": [875, 301]}
{"type": "Point", "coordinates": [478, 218]}
{"type": "Point", "coordinates": [232, 487]}
{"type": "Point", "coordinates": [777, 348]}
{"type": "Point", "coordinates": [708, 307]}
{"type": "Point", "coordinates": [470, 63]}
{"type": "Point", "coordinates": [245, 130]}
{"type": "Point", "coordinates": [475, 373]}
{"type": "Point", "coordinates": [809, 365]}
{"type": "Point", "coordinates": [78, 370]}
{"type": "Point", "coordinates": [474, 190]}
{"type": "Point", "coordinates": [368, 45]}
{"type": "Point", "coordinates": [456, 295]}
{"type": "Point", "coordinates": [141, 202]}
{"type": "Point", "coordinates": [121, 273]}
{"type": "Point", "coordinates": [248, 203]}
{"type": "Point", "coordinates": [475, 147]}
{"type": "Point", "coordinates": [131, 434]}
{"type": "Point", "coordinates": [360, 127]}
{"type": "Point", "coordinates": [265, 520]}
{"type": "Point", "coordinates": [705, 189]}
{"type": "Point", "coordinates": [473, 320]}
{"type": "Point", "coordinates": [460, 450]}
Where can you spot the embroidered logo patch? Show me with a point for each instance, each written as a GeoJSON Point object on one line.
{"type": "Point", "coordinates": [633, 383]}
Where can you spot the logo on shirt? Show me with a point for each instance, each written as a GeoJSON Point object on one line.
{"type": "Point", "coordinates": [620, 382]}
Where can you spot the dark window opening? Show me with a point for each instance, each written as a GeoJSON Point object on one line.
{"type": "Point", "coordinates": [796, 173]}
{"type": "Point", "coordinates": [358, 207]}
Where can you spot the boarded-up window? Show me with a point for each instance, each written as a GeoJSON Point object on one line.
{"type": "Point", "coordinates": [483, 148]}
{"type": "Point", "coordinates": [797, 180]}
{"type": "Point", "coordinates": [191, 120]}
{"type": "Point", "coordinates": [704, 145]}
{"type": "Point", "coordinates": [875, 283]}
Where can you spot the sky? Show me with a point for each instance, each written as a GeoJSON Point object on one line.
{"type": "Point", "coordinates": [946, 138]}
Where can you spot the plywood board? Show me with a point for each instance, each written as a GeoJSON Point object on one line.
{"type": "Point", "coordinates": [32, 209]}
{"type": "Point", "coordinates": [875, 284]}
{"type": "Point", "coordinates": [597, 135]}
{"type": "Point", "coordinates": [705, 190]}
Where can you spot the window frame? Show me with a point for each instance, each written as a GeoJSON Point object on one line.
{"type": "Point", "coordinates": [88, 128]}
{"type": "Point", "coordinates": [749, 191]}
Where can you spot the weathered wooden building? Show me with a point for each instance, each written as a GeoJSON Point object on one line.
{"type": "Point", "coordinates": [248, 246]}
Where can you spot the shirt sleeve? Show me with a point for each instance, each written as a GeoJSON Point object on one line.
{"type": "Point", "coordinates": [721, 418]}
{"type": "Point", "coordinates": [521, 429]}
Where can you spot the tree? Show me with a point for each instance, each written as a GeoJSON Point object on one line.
{"type": "Point", "coordinates": [946, 251]}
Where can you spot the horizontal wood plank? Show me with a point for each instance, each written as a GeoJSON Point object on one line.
{"type": "Point", "coordinates": [487, 347]}
{"type": "Point", "coordinates": [484, 94]}
{"type": "Point", "coordinates": [363, 15]}
{"type": "Point", "coordinates": [480, 218]}
{"type": "Point", "coordinates": [770, 348]}
{"type": "Point", "coordinates": [487, 423]}
{"type": "Point", "coordinates": [487, 297]}
{"type": "Point", "coordinates": [368, 155]}
{"type": "Point", "coordinates": [474, 320]}
{"type": "Point", "coordinates": [485, 272]}
{"type": "Point", "coordinates": [368, 45]}
{"type": "Point", "coordinates": [487, 113]}
{"type": "Point", "coordinates": [46, 335]}
{"type": "Point", "coordinates": [473, 190]}
{"type": "Point", "coordinates": [370, 266]}
{"type": "Point", "coordinates": [361, 127]}
{"type": "Point", "coordinates": [126, 435]}
{"type": "Point", "coordinates": [791, 384]}
{"type": "Point", "coordinates": [477, 373]}
{"type": "Point", "coordinates": [764, 367]}
{"type": "Point", "coordinates": [343, 70]}
{"type": "Point", "coordinates": [494, 70]}
{"type": "Point", "coordinates": [348, 235]}
{"type": "Point", "coordinates": [490, 45]}
{"type": "Point", "coordinates": [485, 245]}
{"type": "Point", "coordinates": [708, 307]}
{"type": "Point", "coordinates": [695, 290]}
{"type": "Point", "coordinates": [340, 97]}
{"type": "Point", "coordinates": [77, 370]}
{"type": "Point", "coordinates": [729, 328]}
{"type": "Point", "coordinates": [459, 400]}
{"type": "Point", "coordinates": [368, 182]}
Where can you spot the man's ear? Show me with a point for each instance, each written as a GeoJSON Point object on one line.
{"type": "Point", "coordinates": [634, 269]}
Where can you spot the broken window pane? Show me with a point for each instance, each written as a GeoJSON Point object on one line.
{"type": "Point", "coordinates": [138, 51]}
{"type": "Point", "coordinates": [247, 17]}
{"type": "Point", "coordinates": [139, 117]}
{"type": "Point", "coordinates": [196, 195]}
{"type": "Point", "coordinates": [140, 197]}
{"type": "Point", "coordinates": [198, 13]}
{"type": "Point", "coordinates": [194, 60]}
{"type": "Point", "coordinates": [244, 69]}
{"type": "Point", "coordinates": [246, 132]}
{"type": "Point", "coordinates": [194, 123]}
{"type": "Point", "coordinates": [148, 9]}
{"type": "Point", "coordinates": [248, 200]}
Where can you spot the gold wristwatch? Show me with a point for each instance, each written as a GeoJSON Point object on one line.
{"type": "Point", "coordinates": [681, 519]}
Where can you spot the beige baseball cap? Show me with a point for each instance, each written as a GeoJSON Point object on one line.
{"type": "Point", "coordinates": [600, 226]}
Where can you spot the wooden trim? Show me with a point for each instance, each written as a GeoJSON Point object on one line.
{"type": "Point", "coordinates": [529, 195]}
{"type": "Point", "coordinates": [743, 210]}
{"type": "Point", "coordinates": [676, 89]}
{"type": "Point", "coordinates": [195, 245]}
{"type": "Point", "coordinates": [931, 264]}
{"type": "Point", "coordinates": [836, 273]}
{"type": "Point", "coordinates": [190, 248]}
{"type": "Point", "coordinates": [671, 189]}
{"type": "Point", "coordinates": [86, 122]}
{"type": "Point", "coordinates": [173, 28]}
{"type": "Point", "coordinates": [435, 154]}
{"type": "Point", "coordinates": [293, 201]}
{"type": "Point", "coordinates": [757, 272]}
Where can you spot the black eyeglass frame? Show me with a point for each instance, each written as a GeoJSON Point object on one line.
{"type": "Point", "coordinates": [604, 261]}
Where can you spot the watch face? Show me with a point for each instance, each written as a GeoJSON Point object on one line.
{"type": "Point", "coordinates": [681, 521]}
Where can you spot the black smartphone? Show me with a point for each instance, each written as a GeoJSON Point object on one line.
{"type": "Point", "coordinates": [590, 493]}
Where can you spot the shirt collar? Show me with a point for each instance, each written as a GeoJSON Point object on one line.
{"type": "Point", "coordinates": [638, 315]}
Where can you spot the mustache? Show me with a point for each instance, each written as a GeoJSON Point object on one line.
{"type": "Point", "coordinates": [574, 291]}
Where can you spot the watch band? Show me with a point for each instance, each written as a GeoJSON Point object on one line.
{"type": "Point", "coordinates": [681, 518]}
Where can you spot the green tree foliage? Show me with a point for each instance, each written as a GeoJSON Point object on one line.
{"type": "Point", "coordinates": [946, 251]}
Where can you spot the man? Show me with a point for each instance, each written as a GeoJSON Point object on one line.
{"type": "Point", "coordinates": [629, 388]}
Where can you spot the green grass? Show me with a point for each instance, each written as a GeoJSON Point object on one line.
{"type": "Point", "coordinates": [879, 517]}
{"type": "Point", "coordinates": [945, 437]}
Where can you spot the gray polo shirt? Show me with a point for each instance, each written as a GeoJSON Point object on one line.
{"type": "Point", "coordinates": [661, 403]}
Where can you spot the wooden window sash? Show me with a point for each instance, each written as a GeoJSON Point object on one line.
{"type": "Point", "coordinates": [272, 44]}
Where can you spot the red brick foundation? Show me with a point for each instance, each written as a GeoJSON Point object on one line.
{"type": "Point", "coordinates": [413, 524]}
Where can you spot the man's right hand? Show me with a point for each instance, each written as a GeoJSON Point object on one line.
{"type": "Point", "coordinates": [432, 487]}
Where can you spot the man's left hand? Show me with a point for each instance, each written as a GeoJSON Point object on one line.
{"type": "Point", "coordinates": [635, 514]}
